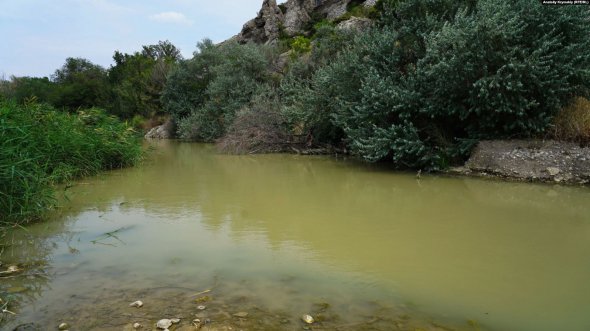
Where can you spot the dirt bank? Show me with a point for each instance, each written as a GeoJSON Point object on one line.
{"type": "Point", "coordinates": [530, 160]}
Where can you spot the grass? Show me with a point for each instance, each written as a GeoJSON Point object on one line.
{"type": "Point", "coordinates": [572, 123]}
{"type": "Point", "coordinates": [41, 147]}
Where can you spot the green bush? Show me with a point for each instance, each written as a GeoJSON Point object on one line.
{"type": "Point", "coordinates": [40, 146]}
{"type": "Point", "coordinates": [78, 84]}
{"type": "Point", "coordinates": [137, 80]}
{"type": "Point", "coordinates": [205, 93]}
{"type": "Point", "coordinates": [438, 75]}
{"type": "Point", "coordinates": [300, 45]}
{"type": "Point", "coordinates": [307, 92]}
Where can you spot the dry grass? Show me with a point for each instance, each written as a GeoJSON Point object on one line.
{"type": "Point", "coordinates": [258, 129]}
{"type": "Point", "coordinates": [572, 123]}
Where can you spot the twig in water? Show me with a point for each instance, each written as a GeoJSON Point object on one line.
{"type": "Point", "coordinates": [205, 291]}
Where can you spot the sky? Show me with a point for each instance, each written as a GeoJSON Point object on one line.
{"type": "Point", "coordinates": [36, 36]}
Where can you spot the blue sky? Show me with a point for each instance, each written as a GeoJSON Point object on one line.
{"type": "Point", "coordinates": [38, 35]}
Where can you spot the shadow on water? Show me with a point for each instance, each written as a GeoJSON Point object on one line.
{"type": "Point", "coordinates": [279, 236]}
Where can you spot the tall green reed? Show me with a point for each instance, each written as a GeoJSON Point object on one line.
{"type": "Point", "coordinates": [41, 147]}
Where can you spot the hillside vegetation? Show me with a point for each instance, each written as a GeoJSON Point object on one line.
{"type": "Point", "coordinates": [418, 89]}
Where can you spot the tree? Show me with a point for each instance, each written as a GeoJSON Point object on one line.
{"type": "Point", "coordinates": [32, 88]}
{"type": "Point", "coordinates": [80, 84]}
{"type": "Point", "coordinates": [139, 79]}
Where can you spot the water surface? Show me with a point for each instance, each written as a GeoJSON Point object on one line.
{"type": "Point", "coordinates": [278, 236]}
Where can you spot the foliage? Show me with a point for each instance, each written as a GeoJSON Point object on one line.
{"type": "Point", "coordinates": [40, 146]}
{"type": "Point", "coordinates": [27, 88]}
{"type": "Point", "coordinates": [572, 123]}
{"type": "Point", "coordinates": [138, 80]}
{"type": "Point", "coordinates": [205, 92]}
{"type": "Point", "coordinates": [258, 128]}
{"type": "Point", "coordinates": [308, 94]}
{"type": "Point", "coordinates": [185, 90]}
{"type": "Point", "coordinates": [300, 45]}
{"type": "Point", "coordinates": [440, 74]}
{"type": "Point", "coordinates": [80, 84]}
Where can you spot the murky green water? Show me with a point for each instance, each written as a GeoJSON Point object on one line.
{"type": "Point", "coordinates": [279, 236]}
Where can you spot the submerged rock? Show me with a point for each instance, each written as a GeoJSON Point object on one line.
{"type": "Point", "coordinates": [164, 324]}
{"type": "Point", "coordinates": [307, 319]}
{"type": "Point", "coordinates": [137, 304]}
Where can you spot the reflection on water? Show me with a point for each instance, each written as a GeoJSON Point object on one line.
{"type": "Point", "coordinates": [278, 236]}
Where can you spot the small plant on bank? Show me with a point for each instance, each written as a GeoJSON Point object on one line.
{"type": "Point", "coordinates": [572, 123]}
{"type": "Point", "coordinates": [300, 45]}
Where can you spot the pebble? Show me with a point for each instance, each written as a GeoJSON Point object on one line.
{"type": "Point", "coordinates": [137, 304]}
{"type": "Point", "coordinates": [201, 307]}
{"type": "Point", "coordinates": [164, 324]}
{"type": "Point", "coordinates": [137, 326]}
{"type": "Point", "coordinates": [307, 319]}
{"type": "Point", "coordinates": [63, 326]}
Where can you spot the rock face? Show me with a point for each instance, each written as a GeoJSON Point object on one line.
{"type": "Point", "coordinates": [271, 20]}
{"type": "Point", "coordinates": [265, 28]}
{"type": "Point", "coordinates": [548, 161]}
{"type": "Point", "coordinates": [301, 12]}
{"type": "Point", "coordinates": [355, 24]}
{"type": "Point", "coordinates": [164, 131]}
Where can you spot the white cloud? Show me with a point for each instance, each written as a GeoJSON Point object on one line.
{"type": "Point", "coordinates": [171, 17]}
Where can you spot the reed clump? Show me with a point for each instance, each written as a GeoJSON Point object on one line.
{"type": "Point", "coordinates": [41, 146]}
{"type": "Point", "coordinates": [572, 123]}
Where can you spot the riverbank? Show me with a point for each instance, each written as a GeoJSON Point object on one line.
{"type": "Point", "coordinates": [547, 161]}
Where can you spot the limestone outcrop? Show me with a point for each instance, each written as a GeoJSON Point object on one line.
{"type": "Point", "coordinates": [265, 28]}
{"type": "Point", "coordinates": [355, 24]}
{"type": "Point", "coordinates": [293, 19]}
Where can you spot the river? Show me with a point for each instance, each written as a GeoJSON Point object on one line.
{"type": "Point", "coordinates": [358, 247]}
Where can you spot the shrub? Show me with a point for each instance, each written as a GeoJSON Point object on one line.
{"type": "Point", "coordinates": [572, 123]}
{"type": "Point", "coordinates": [231, 74]}
{"type": "Point", "coordinates": [307, 92]}
{"type": "Point", "coordinates": [439, 75]}
{"type": "Point", "coordinates": [300, 45]}
{"type": "Point", "coordinates": [258, 128]}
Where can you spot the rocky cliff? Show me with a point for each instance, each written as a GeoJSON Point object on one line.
{"type": "Point", "coordinates": [292, 19]}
